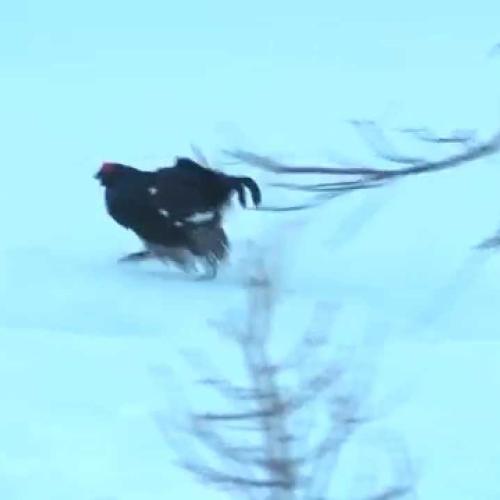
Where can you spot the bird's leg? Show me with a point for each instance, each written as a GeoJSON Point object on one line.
{"type": "Point", "coordinates": [137, 256]}
{"type": "Point", "coordinates": [179, 256]}
{"type": "Point", "coordinates": [211, 269]}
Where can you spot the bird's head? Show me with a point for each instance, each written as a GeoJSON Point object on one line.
{"type": "Point", "coordinates": [109, 173]}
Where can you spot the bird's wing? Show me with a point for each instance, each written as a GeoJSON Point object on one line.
{"type": "Point", "coordinates": [181, 195]}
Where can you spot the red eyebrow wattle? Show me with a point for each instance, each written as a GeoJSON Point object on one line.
{"type": "Point", "coordinates": [107, 167]}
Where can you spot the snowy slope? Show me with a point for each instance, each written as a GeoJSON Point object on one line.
{"type": "Point", "coordinates": [91, 351]}
{"type": "Point", "coordinates": [81, 338]}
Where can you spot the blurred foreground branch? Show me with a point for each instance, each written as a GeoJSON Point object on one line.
{"type": "Point", "coordinates": [268, 444]}
{"type": "Point", "coordinates": [362, 177]}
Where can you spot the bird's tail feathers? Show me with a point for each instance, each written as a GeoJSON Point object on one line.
{"type": "Point", "coordinates": [239, 185]}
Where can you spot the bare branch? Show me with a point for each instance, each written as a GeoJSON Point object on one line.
{"type": "Point", "coordinates": [200, 156]}
{"type": "Point", "coordinates": [233, 392]}
{"type": "Point", "coordinates": [480, 150]}
{"type": "Point", "coordinates": [314, 387]}
{"type": "Point", "coordinates": [464, 137]}
{"type": "Point", "coordinates": [275, 462]}
{"type": "Point", "coordinates": [370, 177]}
{"type": "Point", "coordinates": [215, 476]}
{"type": "Point", "coordinates": [267, 163]}
{"type": "Point", "coordinates": [375, 138]}
{"type": "Point", "coordinates": [249, 415]}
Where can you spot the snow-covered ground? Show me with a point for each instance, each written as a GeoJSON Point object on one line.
{"type": "Point", "coordinates": [83, 340]}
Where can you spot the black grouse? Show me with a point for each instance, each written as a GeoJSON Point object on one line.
{"type": "Point", "coordinates": [176, 211]}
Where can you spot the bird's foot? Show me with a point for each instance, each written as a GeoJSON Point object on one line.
{"type": "Point", "coordinates": [209, 271]}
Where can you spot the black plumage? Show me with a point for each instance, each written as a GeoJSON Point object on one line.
{"type": "Point", "coordinates": [176, 211]}
{"type": "Point", "coordinates": [189, 187]}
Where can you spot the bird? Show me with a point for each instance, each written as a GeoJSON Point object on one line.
{"type": "Point", "coordinates": [176, 211]}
